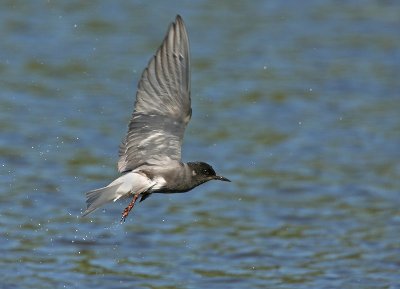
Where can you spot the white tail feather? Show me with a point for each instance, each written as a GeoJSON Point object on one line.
{"type": "Point", "coordinates": [130, 183]}
{"type": "Point", "coordinates": [99, 197]}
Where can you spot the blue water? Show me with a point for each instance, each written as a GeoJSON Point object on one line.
{"type": "Point", "coordinates": [296, 102]}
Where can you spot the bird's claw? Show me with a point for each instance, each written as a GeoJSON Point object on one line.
{"type": "Point", "coordinates": [125, 214]}
{"type": "Point", "coordinates": [126, 211]}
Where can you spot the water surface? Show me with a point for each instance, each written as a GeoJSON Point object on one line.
{"type": "Point", "coordinates": [297, 103]}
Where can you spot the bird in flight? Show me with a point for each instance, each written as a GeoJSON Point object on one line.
{"type": "Point", "coordinates": [150, 154]}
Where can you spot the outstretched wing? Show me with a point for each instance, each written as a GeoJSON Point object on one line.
{"type": "Point", "coordinates": [162, 107]}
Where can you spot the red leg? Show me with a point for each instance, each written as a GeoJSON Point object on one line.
{"type": "Point", "coordinates": [125, 213]}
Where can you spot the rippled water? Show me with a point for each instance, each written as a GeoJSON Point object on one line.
{"type": "Point", "coordinates": [296, 102]}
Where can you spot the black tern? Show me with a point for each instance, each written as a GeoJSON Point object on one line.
{"type": "Point", "coordinates": [150, 154]}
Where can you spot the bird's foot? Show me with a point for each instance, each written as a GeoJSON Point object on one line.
{"type": "Point", "coordinates": [126, 211]}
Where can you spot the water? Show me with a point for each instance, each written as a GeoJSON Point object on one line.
{"type": "Point", "coordinates": [296, 102]}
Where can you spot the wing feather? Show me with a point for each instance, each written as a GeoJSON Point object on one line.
{"type": "Point", "coordinates": [163, 106]}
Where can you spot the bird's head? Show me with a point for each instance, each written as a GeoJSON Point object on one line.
{"type": "Point", "coordinates": [203, 172]}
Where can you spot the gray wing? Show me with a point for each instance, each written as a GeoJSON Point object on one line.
{"type": "Point", "coordinates": [162, 107]}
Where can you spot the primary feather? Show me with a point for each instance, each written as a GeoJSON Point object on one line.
{"type": "Point", "coordinates": [163, 107]}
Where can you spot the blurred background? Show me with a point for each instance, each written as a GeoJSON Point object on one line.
{"type": "Point", "coordinates": [297, 102]}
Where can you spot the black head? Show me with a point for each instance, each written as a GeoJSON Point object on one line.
{"type": "Point", "coordinates": [203, 172]}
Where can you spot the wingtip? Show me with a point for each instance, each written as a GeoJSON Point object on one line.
{"type": "Point", "coordinates": [179, 20]}
{"type": "Point", "coordinates": [178, 24]}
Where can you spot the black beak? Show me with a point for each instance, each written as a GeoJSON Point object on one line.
{"type": "Point", "coordinates": [220, 178]}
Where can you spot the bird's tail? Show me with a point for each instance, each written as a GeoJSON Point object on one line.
{"type": "Point", "coordinates": [99, 197]}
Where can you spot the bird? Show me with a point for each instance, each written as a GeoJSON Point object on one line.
{"type": "Point", "coordinates": [150, 153]}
